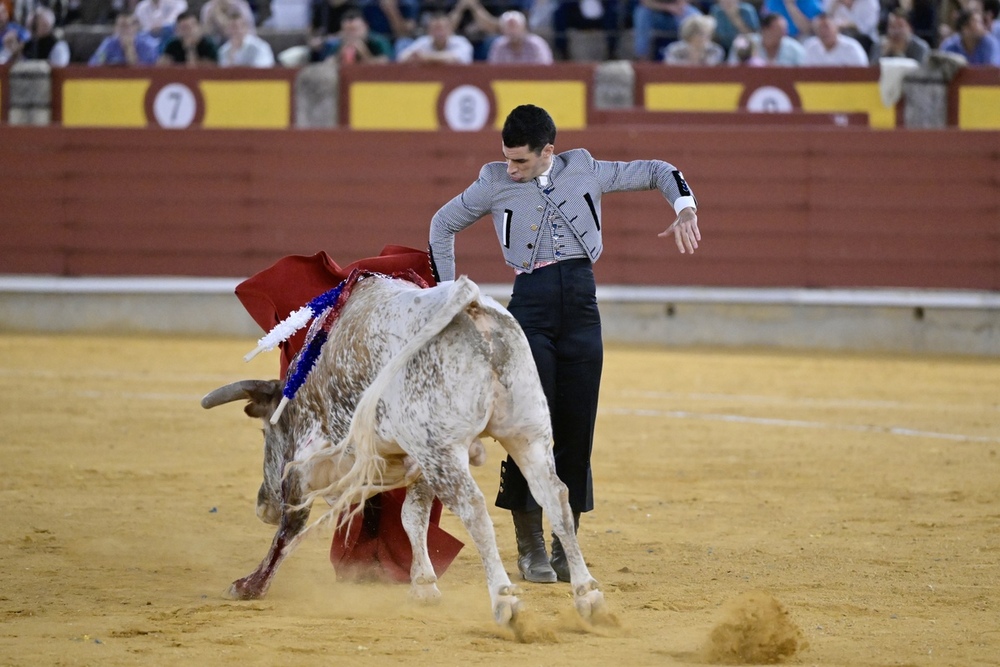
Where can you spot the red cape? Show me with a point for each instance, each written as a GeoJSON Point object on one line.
{"type": "Point", "coordinates": [375, 547]}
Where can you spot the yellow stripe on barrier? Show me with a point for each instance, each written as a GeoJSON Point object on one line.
{"type": "Point", "coordinates": [693, 96]}
{"type": "Point", "coordinates": [979, 107]}
{"type": "Point", "coordinates": [247, 104]}
{"type": "Point", "coordinates": [104, 102]}
{"type": "Point", "coordinates": [832, 97]}
{"type": "Point", "coordinates": [394, 106]}
{"type": "Point", "coordinates": [566, 101]}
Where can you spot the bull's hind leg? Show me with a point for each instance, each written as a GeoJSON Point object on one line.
{"type": "Point", "coordinates": [416, 517]}
{"type": "Point", "coordinates": [458, 491]}
{"type": "Point", "coordinates": [538, 468]}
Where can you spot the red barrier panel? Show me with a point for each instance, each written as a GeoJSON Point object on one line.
{"type": "Point", "coordinates": [796, 206]}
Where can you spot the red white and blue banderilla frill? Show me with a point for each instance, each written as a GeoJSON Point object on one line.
{"type": "Point", "coordinates": [323, 311]}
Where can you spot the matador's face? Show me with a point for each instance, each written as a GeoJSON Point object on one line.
{"type": "Point", "coordinates": [523, 164]}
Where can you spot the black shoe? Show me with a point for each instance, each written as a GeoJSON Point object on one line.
{"type": "Point", "coordinates": [532, 560]}
{"type": "Point", "coordinates": [559, 563]}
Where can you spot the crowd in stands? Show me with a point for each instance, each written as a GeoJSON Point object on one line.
{"type": "Point", "coordinates": [676, 32]}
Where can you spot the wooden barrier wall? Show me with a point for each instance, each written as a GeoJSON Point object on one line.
{"type": "Point", "coordinates": [807, 206]}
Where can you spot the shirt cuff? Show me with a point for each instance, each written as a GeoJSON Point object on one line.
{"type": "Point", "coordinates": [682, 203]}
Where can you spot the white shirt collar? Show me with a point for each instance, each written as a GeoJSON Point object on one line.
{"type": "Point", "coordinates": [543, 178]}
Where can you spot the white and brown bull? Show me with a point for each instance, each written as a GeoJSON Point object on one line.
{"type": "Point", "coordinates": [406, 384]}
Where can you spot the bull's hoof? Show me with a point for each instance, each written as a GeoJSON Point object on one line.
{"type": "Point", "coordinates": [589, 600]}
{"type": "Point", "coordinates": [506, 607]}
{"type": "Point", "coordinates": [241, 590]}
{"type": "Point", "coordinates": [424, 592]}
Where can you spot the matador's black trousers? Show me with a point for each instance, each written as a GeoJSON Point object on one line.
{"type": "Point", "coordinates": [556, 306]}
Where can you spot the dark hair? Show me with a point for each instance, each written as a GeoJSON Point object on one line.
{"type": "Point", "coordinates": [899, 12]}
{"type": "Point", "coordinates": [187, 15]}
{"type": "Point", "coordinates": [768, 19]}
{"type": "Point", "coordinates": [528, 125]}
{"type": "Point", "coordinates": [962, 19]}
{"type": "Point", "coordinates": [351, 14]}
{"type": "Point", "coordinates": [993, 7]}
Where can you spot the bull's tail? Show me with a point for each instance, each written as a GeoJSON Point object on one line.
{"type": "Point", "coordinates": [364, 479]}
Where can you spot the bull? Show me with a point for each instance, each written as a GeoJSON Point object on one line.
{"type": "Point", "coordinates": [405, 386]}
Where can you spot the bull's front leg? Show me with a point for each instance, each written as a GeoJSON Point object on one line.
{"type": "Point", "coordinates": [416, 518]}
{"type": "Point", "coordinates": [291, 524]}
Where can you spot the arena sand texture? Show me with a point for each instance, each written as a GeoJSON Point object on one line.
{"type": "Point", "coordinates": [826, 510]}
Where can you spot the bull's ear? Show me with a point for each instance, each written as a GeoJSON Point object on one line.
{"type": "Point", "coordinates": [263, 400]}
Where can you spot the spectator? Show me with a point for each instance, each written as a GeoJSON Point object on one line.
{"type": "Point", "coordinates": [899, 40]}
{"type": "Point", "coordinates": [63, 11]}
{"type": "Point", "coordinates": [798, 13]}
{"type": "Point", "coordinates": [189, 46]}
{"type": "Point", "coordinates": [440, 45]}
{"type": "Point", "coordinates": [923, 17]}
{"type": "Point", "coordinates": [585, 15]}
{"type": "Point", "coordinates": [243, 48]}
{"type": "Point", "coordinates": [127, 45]}
{"type": "Point", "coordinates": [733, 17]}
{"type": "Point", "coordinates": [395, 19]}
{"type": "Point", "coordinates": [948, 11]}
{"type": "Point", "coordinates": [972, 40]}
{"type": "Point", "coordinates": [856, 18]}
{"type": "Point", "coordinates": [991, 14]}
{"type": "Point", "coordinates": [479, 22]}
{"type": "Point", "coordinates": [44, 44]}
{"type": "Point", "coordinates": [356, 43]}
{"type": "Point", "coordinates": [830, 48]}
{"type": "Point", "coordinates": [772, 46]}
{"type": "Point", "coordinates": [695, 46]}
{"type": "Point", "coordinates": [119, 6]}
{"type": "Point", "coordinates": [656, 23]}
{"type": "Point", "coordinates": [517, 45]}
{"type": "Point", "coordinates": [216, 15]}
{"type": "Point", "coordinates": [327, 15]}
{"type": "Point", "coordinates": [158, 17]}
{"type": "Point", "coordinates": [745, 52]}
{"type": "Point", "coordinates": [12, 36]}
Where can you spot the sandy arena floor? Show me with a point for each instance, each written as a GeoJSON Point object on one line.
{"type": "Point", "coordinates": [861, 493]}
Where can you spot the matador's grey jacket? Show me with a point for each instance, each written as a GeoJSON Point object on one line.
{"type": "Point", "coordinates": [573, 196]}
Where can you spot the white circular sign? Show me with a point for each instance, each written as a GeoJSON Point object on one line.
{"type": "Point", "coordinates": [466, 109]}
{"type": "Point", "coordinates": [768, 99]}
{"type": "Point", "coordinates": [175, 106]}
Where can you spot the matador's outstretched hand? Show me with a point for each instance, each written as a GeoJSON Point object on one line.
{"type": "Point", "coordinates": [685, 230]}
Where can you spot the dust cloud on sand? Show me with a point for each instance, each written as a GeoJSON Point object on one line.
{"type": "Point", "coordinates": [755, 629]}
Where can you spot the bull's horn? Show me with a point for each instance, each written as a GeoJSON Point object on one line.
{"type": "Point", "coordinates": [234, 392]}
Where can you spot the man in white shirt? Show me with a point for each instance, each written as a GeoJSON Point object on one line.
{"type": "Point", "coordinates": [155, 16]}
{"type": "Point", "coordinates": [855, 18]}
{"type": "Point", "coordinates": [772, 46]}
{"type": "Point", "coordinates": [440, 45]}
{"type": "Point", "coordinates": [517, 44]}
{"type": "Point", "coordinates": [829, 48]}
{"type": "Point", "coordinates": [244, 49]}
{"type": "Point", "coordinates": [216, 15]}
